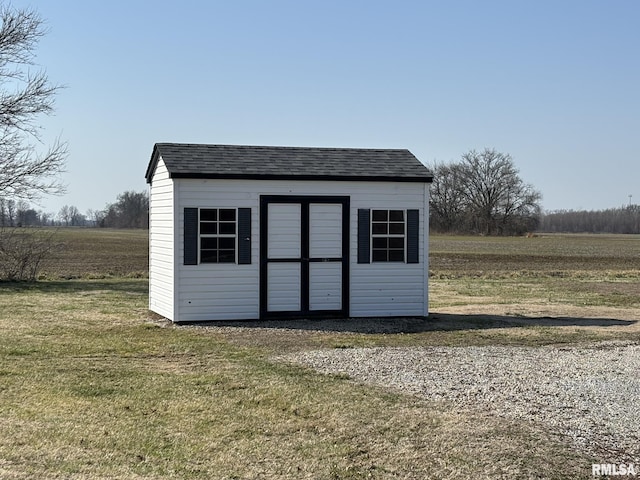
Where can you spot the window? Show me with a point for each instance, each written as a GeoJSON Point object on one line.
{"type": "Point", "coordinates": [217, 235]}
{"type": "Point", "coordinates": [388, 235]}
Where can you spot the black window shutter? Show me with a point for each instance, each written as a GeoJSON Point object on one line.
{"type": "Point", "coordinates": [413, 236]}
{"type": "Point", "coordinates": [190, 236]}
{"type": "Point", "coordinates": [364, 255]}
{"type": "Point", "coordinates": [244, 236]}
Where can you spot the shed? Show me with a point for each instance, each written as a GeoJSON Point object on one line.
{"type": "Point", "coordinates": [261, 232]}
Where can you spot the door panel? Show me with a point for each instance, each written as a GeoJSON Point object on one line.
{"type": "Point", "coordinates": [285, 239]}
{"type": "Point", "coordinates": [325, 230]}
{"type": "Point", "coordinates": [325, 286]}
{"type": "Point", "coordinates": [283, 280]}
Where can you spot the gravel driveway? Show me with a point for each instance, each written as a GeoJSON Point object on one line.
{"type": "Point", "coordinates": [591, 393]}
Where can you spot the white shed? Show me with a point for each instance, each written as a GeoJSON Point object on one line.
{"type": "Point", "coordinates": [248, 232]}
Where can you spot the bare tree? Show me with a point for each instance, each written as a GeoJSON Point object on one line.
{"type": "Point", "coordinates": [496, 194]}
{"type": "Point", "coordinates": [448, 205]}
{"type": "Point", "coordinates": [11, 212]}
{"type": "Point", "coordinates": [483, 193]}
{"type": "Point", "coordinates": [25, 172]}
{"type": "Point", "coordinates": [93, 216]}
{"type": "Point", "coordinates": [131, 210]}
{"type": "Point", "coordinates": [77, 219]}
{"type": "Point", "coordinates": [65, 215]}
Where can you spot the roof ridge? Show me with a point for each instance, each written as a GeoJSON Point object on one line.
{"type": "Point", "coordinates": [284, 147]}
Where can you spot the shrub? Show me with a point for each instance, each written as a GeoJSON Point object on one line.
{"type": "Point", "coordinates": [22, 252]}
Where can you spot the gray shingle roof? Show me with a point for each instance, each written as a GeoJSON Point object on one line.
{"type": "Point", "coordinates": [294, 163]}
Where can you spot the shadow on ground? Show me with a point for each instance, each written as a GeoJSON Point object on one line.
{"type": "Point", "coordinates": [435, 322]}
{"type": "Point", "coordinates": [130, 285]}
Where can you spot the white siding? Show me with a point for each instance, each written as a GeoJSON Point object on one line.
{"type": "Point", "coordinates": [389, 289]}
{"type": "Point", "coordinates": [217, 291]}
{"type": "Point", "coordinates": [229, 291]}
{"type": "Point", "coordinates": [161, 243]}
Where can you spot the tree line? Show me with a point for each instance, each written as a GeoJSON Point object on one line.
{"type": "Point", "coordinates": [612, 220]}
{"type": "Point", "coordinates": [130, 210]}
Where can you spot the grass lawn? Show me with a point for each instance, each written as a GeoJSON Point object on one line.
{"type": "Point", "coordinates": [92, 386]}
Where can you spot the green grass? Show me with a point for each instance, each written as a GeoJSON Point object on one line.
{"type": "Point", "coordinates": [92, 386]}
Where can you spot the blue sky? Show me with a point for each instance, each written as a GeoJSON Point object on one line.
{"type": "Point", "coordinates": [556, 84]}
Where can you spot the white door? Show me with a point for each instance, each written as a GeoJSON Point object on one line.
{"type": "Point", "coordinates": [325, 255]}
{"type": "Point", "coordinates": [284, 249]}
{"type": "Point", "coordinates": [304, 256]}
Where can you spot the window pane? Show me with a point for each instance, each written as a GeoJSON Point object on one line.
{"type": "Point", "coordinates": [227, 228]}
{"type": "Point", "coordinates": [380, 242]}
{"type": "Point", "coordinates": [396, 243]}
{"type": "Point", "coordinates": [227, 215]}
{"type": "Point", "coordinates": [227, 256]}
{"type": "Point", "coordinates": [396, 228]}
{"type": "Point", "coordinates": [379, 255]}
{"type": "Point", "coordinates": [379, 228]}
{"type": "Point", "coordinates": [396, 215]}
{"type": "Point", "coordinates": [380, 216]}
{"type": "Point", "coordinates": [208, 228]}
{"type": "Point", "coordinates": [227, 243]}
{"type": "Point", "coordinates": [209, 214]}
{"type": "Point", "coordinates": [396, 255]}
{"type": "Point", "coordinates": [209, 243]}
{"type": "Point", "coordinates": [208, 256]}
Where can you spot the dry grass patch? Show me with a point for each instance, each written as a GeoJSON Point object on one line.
{"type": "Point", "coordinates": [98, 253]}
{"type": "Point", "coordinates": [90, 389]}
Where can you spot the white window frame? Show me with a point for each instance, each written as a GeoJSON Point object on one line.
{"type": "Point", "coordinates": [218, 235]}
{"type": "Point", "coordinates": [389, 235]}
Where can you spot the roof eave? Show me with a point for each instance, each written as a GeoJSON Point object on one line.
{"type": "Point", "coordinates": [153, 162]}
{"type": "Point", "coordinates": [263, 176]}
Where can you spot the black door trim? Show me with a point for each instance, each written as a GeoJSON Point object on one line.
{"type": "Point", "coordinates": [304, 260]}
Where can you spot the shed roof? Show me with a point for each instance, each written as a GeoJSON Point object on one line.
{"type": "Point", "coordinates": [293, 163]}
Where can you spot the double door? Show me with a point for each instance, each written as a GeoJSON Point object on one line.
{"type": "Point", "coordinates": [304, 256]}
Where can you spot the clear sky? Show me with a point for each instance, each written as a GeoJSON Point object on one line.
{"type": "Point", "coordinates": [554, 83]}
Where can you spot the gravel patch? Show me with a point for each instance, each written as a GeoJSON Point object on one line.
{"type": "Point", "coordinates": [591, 393]}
